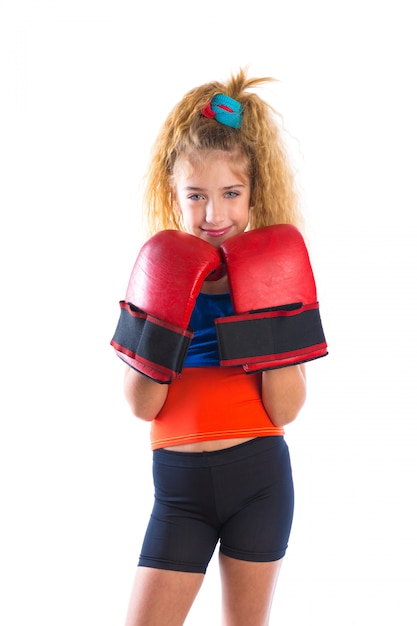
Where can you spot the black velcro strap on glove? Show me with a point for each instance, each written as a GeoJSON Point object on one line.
{"type": "Point", "coordinates": [269, 335]}
{"type": "Point", "coordinates": [150, 340]}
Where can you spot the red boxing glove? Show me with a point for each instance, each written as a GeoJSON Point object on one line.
{"type": "Point", "coordinates": [153, 332]}
{"type": "Point", "coordinates": [273, 293]}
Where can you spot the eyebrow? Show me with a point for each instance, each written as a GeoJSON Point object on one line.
{"type": "Point", "coordinates": [223, 188]}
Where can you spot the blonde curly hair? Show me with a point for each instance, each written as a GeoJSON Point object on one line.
{"type": "Point", "coordinates": [274, 199]}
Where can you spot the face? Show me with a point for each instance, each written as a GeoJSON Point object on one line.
{"type": "Point", "coordinates": [212, 195]}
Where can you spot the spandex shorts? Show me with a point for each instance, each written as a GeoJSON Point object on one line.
{"type": "Point", "coordinates": [242, 497]}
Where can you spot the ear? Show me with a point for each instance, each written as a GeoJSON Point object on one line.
{"type": "Point", "coordinates": [248, 225]}
{"type": "Point", "coordinates": [176, 211]}
{"type": "Point", "coordinates": [175, 203]}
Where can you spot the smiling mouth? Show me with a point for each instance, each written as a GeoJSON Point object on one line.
{"type": "Point", "coordinates": [216, 232]}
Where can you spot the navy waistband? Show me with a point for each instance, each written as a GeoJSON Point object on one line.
{"type": "Point", "coordinates": [217, 457]}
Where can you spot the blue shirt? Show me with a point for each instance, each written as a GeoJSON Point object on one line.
{"type": "Point", "coordinates": [203, 350]}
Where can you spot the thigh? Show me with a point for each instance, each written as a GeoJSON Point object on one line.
{"type": "Point", "coordinates": [161, 597]}
{"type": "Point", "coordinates": [247, 591]}
{"type": "Point", "coordinates": [259, 499]}
{"type": "Point", "coordinates": [182, 532]}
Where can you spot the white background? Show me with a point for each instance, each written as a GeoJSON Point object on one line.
{"type": "Point", "coordinates": [84, 88]}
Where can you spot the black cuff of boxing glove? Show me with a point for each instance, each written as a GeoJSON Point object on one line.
{"type": "Point", "coordinates": [268, 335]}
{"type": "Point", "coordinates": [151, 341]}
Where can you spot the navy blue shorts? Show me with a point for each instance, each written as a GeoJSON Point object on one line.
{"type": "Point", "coordinates": [242, 497]}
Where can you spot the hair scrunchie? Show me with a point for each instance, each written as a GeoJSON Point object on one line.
{"type": "Point", "coordinates": [224, 110]}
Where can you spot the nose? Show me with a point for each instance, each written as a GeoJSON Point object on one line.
{"type": "Point", "coordinates": [214, 212]}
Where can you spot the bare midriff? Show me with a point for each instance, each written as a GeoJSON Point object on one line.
{"type": "Point", "coordinates": [209, 446]}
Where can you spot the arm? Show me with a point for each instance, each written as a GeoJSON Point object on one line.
{"type": "Point", "coordinates": [284, 393]}
{"type": "Point", "coordinates": [144, 396]}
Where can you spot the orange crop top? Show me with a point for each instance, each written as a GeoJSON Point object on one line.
{"type": "Point", "coordinates": [209, 403]}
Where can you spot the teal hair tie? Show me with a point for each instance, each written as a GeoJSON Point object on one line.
{"type": "Point", "coordinates": [224, 110]}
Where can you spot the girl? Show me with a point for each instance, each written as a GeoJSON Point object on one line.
{"type": "Point", "coordinates": [218, 173]}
